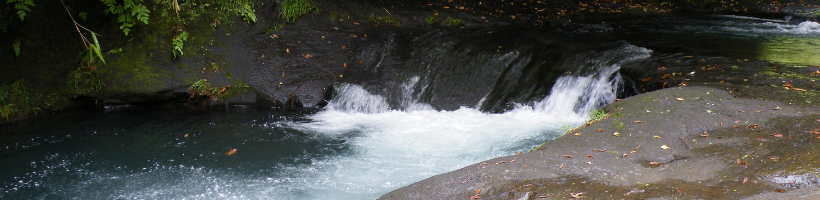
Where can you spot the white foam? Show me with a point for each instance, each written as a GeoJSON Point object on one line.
{"type": "Point", "coordinates": [806, 27]}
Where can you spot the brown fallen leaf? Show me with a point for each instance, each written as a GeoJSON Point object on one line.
{"type": "Point", "coordinates": [567, 156]}
{"type": "Point", "coordinates": [307, 56]}
{"type": "Point", "coordinates": [222, 90]}
{"type": "Point", "coordinates": [787, 85]}
{"type": "Point", "coordinates": [544, 196]}
{"type": "Point", "coordinates": [647, 79]}
{"type": "Point", "coordinates": [773, 157]}
{"type": "Point", "coordinates": [600, 130]}
{"type": "Point", "coordinates": [624, 156]}
{"type": "Point", "coordinates": [704, 134]}
{"type": "Point", "coordinates": [598, 150]}
{"type": "Point", "coordinates": [462, 182]}
{"type": "Point", "coordinates": [777, 135]}
{"type": "Point", "coordinates": [740, 162]}
{"type": "Point", "coordinates": [745, 179]}
{"type": "Point", "coordinates": [231, 152]}
{"type": "Point", "coordinates": [654, 163]}
{"type": "Point", "coordinates": [638, 122]}
{"type": "Point", "coordinates": [588, 156]}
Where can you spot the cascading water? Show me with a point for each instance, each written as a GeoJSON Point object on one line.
{"type": "Point", "coordinates": [398, 146]}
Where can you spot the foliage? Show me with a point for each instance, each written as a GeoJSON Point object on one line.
{"type": "Point", "coordinates": [290, 10]}
{"type": "Point", "coordinates": [83, 82]}
{"type": "Point", "coordinates": [95, 49]}
{"type": "Point", "coordinates": [129, 12]}
{"type": "Point", "coordinates": [22, 7]}
{"type": "Point", "coordinates": [247, 13]}
{"type": "Point", "coordinates": [15, 100]}
{"type": "Point", "coordinates": [272, 29]}
{"type": "Point", "coordinates": [597, 114]}
{"type": "Point", "coordinates": [430, 20]}
{"type": "Point", "coordinates": [385, 19]}
{"type": "Point", "coordinates": [16, 46]}
{"type": "Point", "coordinates": [454, 21]}
{"type": "Point", "coordinates": [178, 42]}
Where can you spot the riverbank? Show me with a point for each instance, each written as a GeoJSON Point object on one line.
{"type": "Point", "coordinates": [681, 142]}
{"type": "Point", "coordinates": [271, 62]}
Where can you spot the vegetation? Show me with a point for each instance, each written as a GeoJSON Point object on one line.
{"type": "Point", "coordinates": [290, 10]}
{"type": "Point", "coordinates": [202, 88]}
{"type": "Point", "coordinates": [453, 21]}
{"type": "Point", "coordinates": [383, 19]}
{"type": "Point", "coordinates": [22, 7]}
{"type": "Point", "coordinates": [597, 114]}
{"type": "Point", "coordinates": [430, 20]}
{"type": "Point", "coordinates": [179, 42]}
{"type": "Point", "coordinates": [128, 12]}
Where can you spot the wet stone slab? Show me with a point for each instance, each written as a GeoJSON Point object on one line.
{"type": "Point", "coordinates": [691, 142]}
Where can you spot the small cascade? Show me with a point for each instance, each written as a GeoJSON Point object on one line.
{"type": "Point", "coordinates": [581, 93]}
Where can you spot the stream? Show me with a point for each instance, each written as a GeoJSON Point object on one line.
{"type": "Point", "coordinates": [407, 115]}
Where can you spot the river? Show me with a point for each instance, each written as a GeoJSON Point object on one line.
{"type": "Point", "coordinates": [369, 141]}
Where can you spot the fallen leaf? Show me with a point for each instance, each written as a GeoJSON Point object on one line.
{"type": "Point", "coordinates": [623, 156]}
{"type": "Point", "coordinates": [231, 152]}
{"type": "Point", "coordinates": [638, 122]}
{"type": "Point", "coordinates": [779, 191]}
{"type": "Point", "coordinates": [477, 191]}
{"type": "Point", "coordinates": [287, 50]}
{"type": "Point", "coordinates": [598, 150]}
{"type": "Point", "coordinates": [787, 85]}
{"type": "Point", "coordinates": [664, 147]}
{"type": "Point", "coordinates": [589, 163]}
{"type": "Point", "coordinates": [307, 56]}
{"type": "Point", "coordinates": [662, 68]}
{"type": "Point", "coordinates": [544, 196]}
{"type": "Point", "coordinates": [745, 179]}
{"type": "Point", "coordinates": [740, 162]}
{"type": "Point", "coordinates": [567, 156]}
{"type": "Point", "coordinates": [588, 156]}
{"type": "Point", "coordinates": [679, 99]}
{"type": "Point", "coordinates": [462, 182]}
{"type": "Point", "coordinates": [704, 134]}
{"type": "Point", "coordinates": [577, 134]}
{"type": "Point", "coordinates": [654, 163]}
{"type": "Point", "coordinates": [600, 130]}
{"type": "Point", "coordinates": [773, 157]}
{"type": "Point", "coordinates": [777, 135]}
{"type": "Point", "coordinates": [680, 191]}
{"type": "Point", "coordinates": [657, 136]}
{"type": "Point", "coordinates": [577, 196]}
{"type": "Point", "coordinates": [647, 79]}
{"type": "Point", "coordinates": [186, 135]}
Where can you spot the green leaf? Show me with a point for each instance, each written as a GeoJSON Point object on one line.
{"type": "Point", "coordinates": [82, 15]}
{"type": "Point", "coordinates": [96, 47]}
